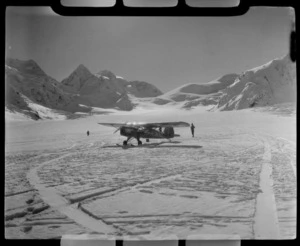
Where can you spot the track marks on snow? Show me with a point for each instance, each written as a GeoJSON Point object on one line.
{"type": "Point", "coordinates": [266, 221]}
{"type": "Point", "coordinates": [56, 201]}
{"type": "Point", "coordinates": [148, 170]}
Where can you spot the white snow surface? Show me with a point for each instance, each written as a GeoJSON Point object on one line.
{"type": "Point", "coordinates": [239, 165]}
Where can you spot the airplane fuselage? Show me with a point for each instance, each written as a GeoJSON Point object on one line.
{"type": "Point", "coordinates": [146, 133]}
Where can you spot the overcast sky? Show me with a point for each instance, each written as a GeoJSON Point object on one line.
{"type": "Point", "coordinates": [165, 51]}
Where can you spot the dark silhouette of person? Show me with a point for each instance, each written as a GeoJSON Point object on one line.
{"type": "Point", "coordinates": [88, 133]}
{"type": "Point", "coordinates": [192, 129]}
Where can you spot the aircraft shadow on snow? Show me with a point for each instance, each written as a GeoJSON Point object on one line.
{"type": "Point", "coordinates": [156, 145]}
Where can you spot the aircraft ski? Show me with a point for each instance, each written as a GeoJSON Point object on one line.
{"type": "Point", "coordinates": [128, 146]}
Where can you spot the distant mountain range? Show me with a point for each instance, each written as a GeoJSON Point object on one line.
{"type": "Point", "coordinates": [30, 91]}
{"type": "Point", "coordinates": [27, 84]}
{"type": "Point", "coordinates": [269, 84]}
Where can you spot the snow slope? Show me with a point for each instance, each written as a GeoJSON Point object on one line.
{"type": "Point", "coordinates": [25, 67]}
{"type": "Point", "coordinates": [272, 83]}
{"type": "Point", "coordinates": [25, 82]}
{"type": "Point", "coordinates": [198, 93]}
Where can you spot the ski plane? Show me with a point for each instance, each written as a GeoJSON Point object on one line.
{"type": "Point", "coordinates": [146, 130]}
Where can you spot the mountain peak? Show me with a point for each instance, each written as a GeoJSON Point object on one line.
{"type": "Point", "coordinates": [77, 78]}
{"type": "Point", "coordinates": [108, 74]}
{"type": "Point", "coordinates": [81, 67]}
{"type": "Point", "coordinates": [228, 78]}
{"type": "Point", "coordinates": [28, 66]}
{"type": "Point", "coordinates": [82, 70]}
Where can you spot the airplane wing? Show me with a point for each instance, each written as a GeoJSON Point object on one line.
{"type": "Point", "coordinates": [128, 124]}
{"type": "Point", "coordinates": [148, 125]}
{"type": "Point", "coordinates": [116, 125]}
{"type": "Point", "coordinates": [166, 124]}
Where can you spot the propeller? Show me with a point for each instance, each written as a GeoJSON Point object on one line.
{"type": "Point", "coordinates": [119, 128]}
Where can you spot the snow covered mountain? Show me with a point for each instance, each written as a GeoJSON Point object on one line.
{"type": "Point", "coordinates": [83, 82]}
{"type": "Point", "coordinates": [106, 90]}
{"type": "Point", "coordinates": [272, 83]}
{"type": "Point", "coordinates": [30, 91]}
{"type": "Point", "coordinates": [195, 94]}
{"type": "Point", "coordinates": [25, 67]}
{"type": "Point", "coordinates": [28, 88]}
{"type": "Point", "coordinates": [77, 79]}
{"type": "Point", "coordinates": [269, 84]}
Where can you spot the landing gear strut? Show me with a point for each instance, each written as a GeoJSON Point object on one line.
{"type": "Point", "coordinates": [138, 138]}
{"type": "Point", "coordinates": [126, 141]}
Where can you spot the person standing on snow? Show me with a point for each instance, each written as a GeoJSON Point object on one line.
{"type": "Point", "coordinates": [88, 133]}
{"type": "Point", "coordinates": [192, 129]}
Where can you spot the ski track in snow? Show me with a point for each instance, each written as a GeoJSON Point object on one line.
{"type": "Point", "coordinates": [56, 201]}
{"type": "Point", "coordinates": [266, 224]}
{"type": "Point", "coordinates": [222, 188]}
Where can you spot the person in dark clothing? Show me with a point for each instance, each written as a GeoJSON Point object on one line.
{"type": "Point", "coordinates": [192, 129]}
{"type": "Point", "coordinates": [88, 133]}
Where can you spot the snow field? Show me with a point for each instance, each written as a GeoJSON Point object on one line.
{"type": "Point", "coordinates": [66, 182]}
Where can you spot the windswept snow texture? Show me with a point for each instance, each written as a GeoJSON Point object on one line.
{"type": "Point", "coordinates": [240, 166]}
{"type": "Point", "coordinates": [272, 83]}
